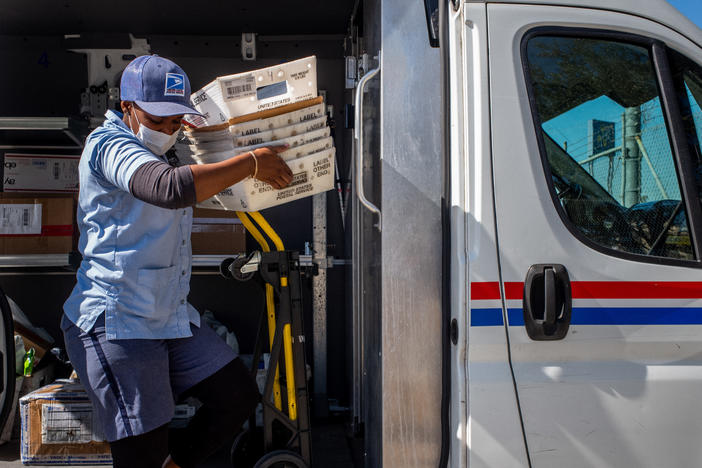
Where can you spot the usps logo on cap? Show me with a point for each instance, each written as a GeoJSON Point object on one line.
{"type": "Point", "coordinates": [175, 85]}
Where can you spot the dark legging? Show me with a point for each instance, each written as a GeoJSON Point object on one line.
{"type": "Point", "coordinates": [228, 398]}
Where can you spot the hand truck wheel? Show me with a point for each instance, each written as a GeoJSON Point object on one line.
{"type": "Point", "coordinates": [230, 268]}
{"type": "Point", "coordinates": [281, 459]}
{"type": "Point", "coordinates": [247, 448]}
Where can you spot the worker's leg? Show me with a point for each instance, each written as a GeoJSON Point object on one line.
{"type": "Point", "coordinates": [228, 395]}
{"type": "Point", "coordinates": [128, 383]}
{"type": "Point", "coordinates": [147, 450]}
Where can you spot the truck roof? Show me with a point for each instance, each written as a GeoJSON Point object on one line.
{"type": "Point", "coordinates": [659, 11]}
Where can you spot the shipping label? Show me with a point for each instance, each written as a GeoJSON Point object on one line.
{"type": "Point", "coordinates": [238, 88]}
{"type": "Point", "coordinates": [39, 173]}
{"type": "Point", "coordinates": [20, 219]}
{"type": "Point", "coordinates": [68, 424]}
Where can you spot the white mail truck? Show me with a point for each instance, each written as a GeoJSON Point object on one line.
{"type": "Point", "coordinates": [509, 270]}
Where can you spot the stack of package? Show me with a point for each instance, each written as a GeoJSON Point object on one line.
{"type": "Point", "coordinates": [267, 107]}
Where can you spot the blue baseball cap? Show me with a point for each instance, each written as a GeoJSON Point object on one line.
{"type": "Point", "coordinates": [157, 85]}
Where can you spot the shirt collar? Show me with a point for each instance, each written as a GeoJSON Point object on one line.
{"type": "Point", "coordinates": [116, 118]}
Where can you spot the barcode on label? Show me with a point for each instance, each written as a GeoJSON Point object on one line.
{"type": "Point", "coordinates": [57, 171]}
{"type": "Point", "coordinates": [196, 120]}
{"type": "Point", "coordinates": [236, 90]}
{"type": "Point", "coordinates": [20, 219]}
{"type": "Point", "coordinates": [239, 87]}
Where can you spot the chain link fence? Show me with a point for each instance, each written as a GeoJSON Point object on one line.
{"type": "Point", "coordinates": [601, 154]}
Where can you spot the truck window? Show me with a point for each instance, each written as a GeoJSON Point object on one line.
{"type": "Point", "coordinates": [606, 144]}
{"type": "Point", "coordinates": [688, 80]}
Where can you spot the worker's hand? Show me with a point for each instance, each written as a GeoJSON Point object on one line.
{"type": "Point", "coordinates": [271, 168]}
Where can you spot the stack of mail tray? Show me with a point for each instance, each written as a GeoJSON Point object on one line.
{"type": "Point", "coordinates": [283, 108]}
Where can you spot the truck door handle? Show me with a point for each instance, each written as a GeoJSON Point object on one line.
{"type": "Point", "coordinates": [547, 303]}
{"type": "Point", "coordinates": [358, 135]}
{"type": "Point", "coordinates": [550, 298]}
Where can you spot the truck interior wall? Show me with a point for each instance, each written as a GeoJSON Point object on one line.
{"type": "Point", "coordinates": [40, 77]}
{"type": "Point", "coordinates": [46, 80]}
{"type": "Point", "coordinates": [206, 17]}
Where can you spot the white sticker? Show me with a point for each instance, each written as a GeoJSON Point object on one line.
{"type": "Point", "coordinates": [20, 219]}
{"type": "Point", "coordinates": [238, 88]}
{"type": "Point", "coordinates": [40, 173]}
{"type": "Point", "coordinates": [67, 424]}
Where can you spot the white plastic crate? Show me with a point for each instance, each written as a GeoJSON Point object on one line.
{"type": "Point", "coordinates": [249, 92]}
{"type": "Point", "coordinates": [224, 149]}
{"type": "Point", "coordinates": [187, 156]}
{"type": "Point", "coordinates": [312, 174]}
{"type": "Point", "coordinates": [270, 87]}
{"type": "Point", "coordinates": [294, 141]}
{"type": "Point", "coordinates": [280, 133]}
{"type": "Point", "coordinates": [291, 118]}
{"type": "Point", "coordinates": [307, 149]}
{"type": "Point", "coordinates": [210, 103]}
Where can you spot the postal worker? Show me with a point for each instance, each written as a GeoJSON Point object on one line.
{"type": "Point", "coordinates": [132, 337]}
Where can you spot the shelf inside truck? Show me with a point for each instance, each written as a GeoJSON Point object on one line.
{"type": "Point", "coordinates": [35, 260]}
{"type": "Point", "coordinates": [73, 259]}
{"type": "Point", "coordinates": [42, 132]}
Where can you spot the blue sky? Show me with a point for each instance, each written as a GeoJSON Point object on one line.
{"type": "Point", "coordinates": [690, 8]}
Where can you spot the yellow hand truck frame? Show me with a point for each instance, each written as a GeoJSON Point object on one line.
{"type": "Point", "coordinates": [286, 433]}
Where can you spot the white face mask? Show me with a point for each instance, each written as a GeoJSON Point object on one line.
{"type": "Point", "coordinates": [157, 142]}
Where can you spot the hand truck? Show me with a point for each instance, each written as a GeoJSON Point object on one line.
{"type": "Point", "coordinates": [285, 439]}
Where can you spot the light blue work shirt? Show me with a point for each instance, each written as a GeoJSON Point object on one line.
{"type": "Point", "coordinates": [136, 256]}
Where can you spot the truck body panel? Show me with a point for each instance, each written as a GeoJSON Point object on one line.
{"type": "Point", "coordinates": [619, 389]}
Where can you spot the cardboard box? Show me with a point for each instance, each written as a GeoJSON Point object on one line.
{"type": "Point", "coordinates": [32, 340]}
{"type": "Point", "coordinates": [59, 427]}
{"type": "Point", "coordinates": [45, 375]}
{"type": "Point", "coordinates": [217, 232]}
{"type": "Point", "coordinates": [40, 173]}
{"type": "Point", "coordinates": [254, 91]}
{"type": "Point", "coordinates": [36, 225]}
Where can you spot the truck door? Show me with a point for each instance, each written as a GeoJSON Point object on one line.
{"type": "Point", "coordinates": [7, 360]}
{"type": "Point", "coordinates": [595, 133]}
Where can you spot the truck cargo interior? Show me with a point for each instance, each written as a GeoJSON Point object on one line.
{"type": "Point", "coordinates": [62, 64]}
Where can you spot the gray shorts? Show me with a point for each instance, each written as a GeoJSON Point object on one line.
{"type": "Point", "coordinates": [133, 384]}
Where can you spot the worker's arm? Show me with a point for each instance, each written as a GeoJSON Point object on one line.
{"type": "Point", "coordinates": [210, 179]}
{"type": "Point", "coordinates": [159, 184]}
